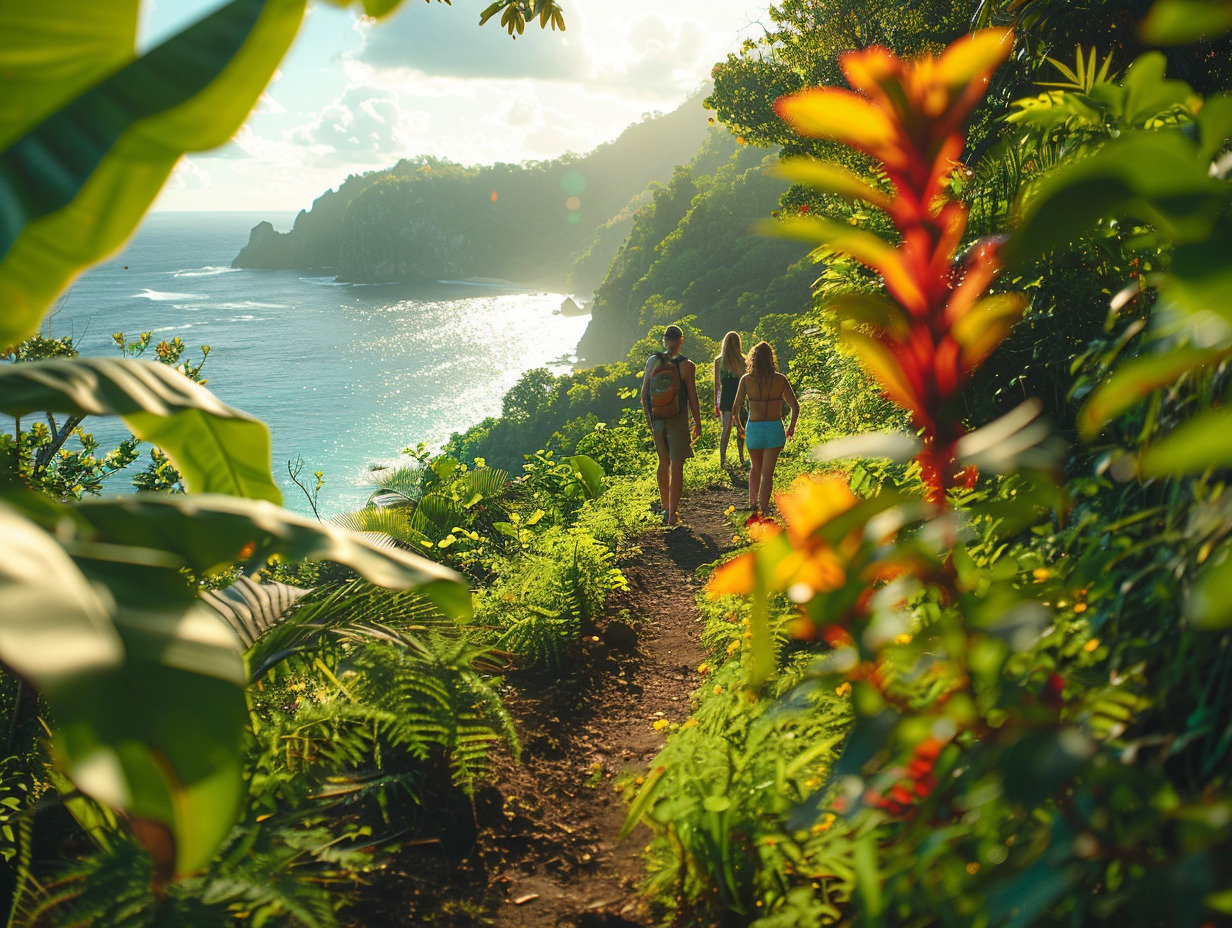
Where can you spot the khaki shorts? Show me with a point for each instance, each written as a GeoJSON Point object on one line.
{"type": "Point", "coordinates": [673, 437]}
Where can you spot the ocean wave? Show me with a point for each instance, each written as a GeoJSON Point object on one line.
{"type": "Point", "coordinates": [172, 328]}
{"type": "Point", "coordinates": [325, 281]}
{"type": "Point", "coordinates": [205, 272]}
{"type": "Point", "coordinates": [250, 304]}
{"type": "Point", "coordinates": [161, 296]}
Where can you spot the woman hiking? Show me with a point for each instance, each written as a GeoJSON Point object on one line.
{"type": "Point", "coordinates": [729, 367]}
{"type": "Point", "coordinates": [766, 390]}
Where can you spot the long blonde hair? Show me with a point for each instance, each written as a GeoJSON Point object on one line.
{"type": "Point", "coordinates": [762, 362]}
{"type": "Point", "coordinates": [731, 356]}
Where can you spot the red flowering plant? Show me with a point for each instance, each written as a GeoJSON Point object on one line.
{"type": "Point", "coordinates": [919, 615]}
{"type": "Point", "coordinates": [922, 340]}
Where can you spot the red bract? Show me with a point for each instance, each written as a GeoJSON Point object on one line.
{"type": "Point", "coordinates": [909, 115]}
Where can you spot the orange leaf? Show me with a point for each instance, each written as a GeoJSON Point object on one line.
{"type": "Point", "coordinates": [981, 330]}
{"type": "Point", "coordinates": [832, 178]}
{"type": "Point", "coordinates": [865, 247]}
{"type": "Point", "coordinates": [736, 576]}
{"type": "Point", "coordinates": [881, 364]}
{"type": "Point", "coordinates": [830, 113]}
{"type": "Point", "coordinates": [813, 501]}
{"type": "Point", "coordinates": [974, 57]}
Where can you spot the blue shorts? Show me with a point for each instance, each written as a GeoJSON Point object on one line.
{"type": "Point", "coordinates": [761, 435]}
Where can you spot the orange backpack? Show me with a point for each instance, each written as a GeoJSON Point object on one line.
{"type": "Point", "coordinates": [665, 388]}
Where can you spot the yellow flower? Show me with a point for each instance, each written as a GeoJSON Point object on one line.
{"type": "Point", "coordinates": [902, 639]}
{"type": "Point", "coordinates": [1040, 574]}
{"type": "Point", "coordinates": [717, 689]}
{"type": "Point", "coordinates": [661, 724]}
{"type": "Point", "coordinates": [734, 646]}
{"type": "Point", "coordinates": [703, 667]}
{"type": "Point", "coordinates": [690, 722]}
{"type": "Point", "coordinates": [1091, 645]}
{"type": "Point", "coordinates": [843, 689]}
{"type": "Point", "coordinates": [1080, 608]}
{"type": "Point", "coordinates": [729, 510]}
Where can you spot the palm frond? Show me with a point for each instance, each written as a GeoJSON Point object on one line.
{"type": "Point", "coordinates": [252, 608]}
{"type": "Point", "coordinates": [396, 487]}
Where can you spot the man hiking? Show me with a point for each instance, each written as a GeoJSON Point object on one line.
{"type": "Point", "coordinates": [669, 396]}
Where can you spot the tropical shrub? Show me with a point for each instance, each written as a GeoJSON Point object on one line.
{"type": "Point", "coordinates": [1031, 668]}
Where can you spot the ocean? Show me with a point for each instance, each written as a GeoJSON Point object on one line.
{"type": "Point", "coordinates": [344, 375]}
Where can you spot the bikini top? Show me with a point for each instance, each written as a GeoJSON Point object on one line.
{"type": "Point", "coordinates": [762, 409]}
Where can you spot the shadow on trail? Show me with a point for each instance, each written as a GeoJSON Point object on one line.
{"type": "Point", "coordinates": [689, 550]}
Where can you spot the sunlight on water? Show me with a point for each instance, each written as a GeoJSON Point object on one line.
{"type": "Point", "coordinates": [345, 376]}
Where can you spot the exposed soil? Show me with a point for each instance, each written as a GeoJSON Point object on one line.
{"type": "Point", "coordinates": [542, 851]}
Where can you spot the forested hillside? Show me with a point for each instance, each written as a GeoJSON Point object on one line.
{"type": "Point", "coordinates": [427, 219]}
{"type": "Point", "coordinates": [693, 251]}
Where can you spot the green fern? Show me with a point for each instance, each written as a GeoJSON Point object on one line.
{"type": "Point", "coordinates": [1085, 74]}
{"type": "Point", "coordinates": [348, 608]}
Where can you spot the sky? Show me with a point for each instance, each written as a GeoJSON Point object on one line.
{"type": "Point", "coordinates": [354, 96]}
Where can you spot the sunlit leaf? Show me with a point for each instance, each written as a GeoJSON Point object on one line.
{"type": "Point", "coordinates": [831, 178]}
{"type": "Point", "coordinates": [1136, 379]}
{"type": "Point", "coordinates": [1209, 604]}
{"type": "Point", "coordinates": [980, 330]}
{"type": "Point", "coordinates": [204, 532]}
{"type": "Point", "coordinates": [54, 623]}
{"type": "Point", "coordinates": [73, 185]}
{"type": "Point", "coordinates": [867, 248]}
{"type": "Point", "coordinates": [884, 368]}
{"type": "Point", "coordinates": [589, 471]}
{"type": "Point", "coordinates": [1199, 443]}
{"type": "Point", "coordinates": [1179, 22]}
{"type": "Point", "coordinates": [216, 448]}
{"type": "Point", "coordinates": [1153, 176]}
{"type": "Point", "coordinates": [828, 112]}
{"type": "Point", "coordinates": [643, 801]}
{"type": "Point", "coordinates": [974, 56]}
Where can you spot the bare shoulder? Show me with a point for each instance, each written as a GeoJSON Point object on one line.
{"type": "Point", "coordinates": [688, 367]}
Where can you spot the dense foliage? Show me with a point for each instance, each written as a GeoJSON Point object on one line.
{"type": "Point", "coordinates": [977, 674]}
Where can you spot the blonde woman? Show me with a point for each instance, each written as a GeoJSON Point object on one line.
{"type": "Point", "coordinates": [766, 390]}
{"type": "Point", "coordinates": [729, 367]}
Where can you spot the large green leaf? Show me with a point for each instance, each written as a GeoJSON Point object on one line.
{"type": "Point", "coordinates": [1157, 177]}
{"type": "Point", "coordinates": [145, 686]}
{"type": "Point", "coordinates": [74, 184]}
{"type": "Point", "coordinates": [1179, 22]}
{"type": "Point", "coordinates": [1199, 443]}
{"type": "Point", "coordinates": [1137, 379]}
{"type": "Point", "coordinates": [589, 471]}
{"type": "Point", "coordinates": [158, 736]}
{"type": "Point", "coordinates": [54, 622]}
{"type": "Point", "coordinates": [216, 448]}
{"type": "Point", "coordinates": [204, 532]}
{"type": "Point", "coordinates": [1200, 279]}
{"type": "Point", "coordinates": [48, 59]}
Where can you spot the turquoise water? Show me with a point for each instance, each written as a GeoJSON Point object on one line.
{"type": "Point", "coordinates": [344, 375]}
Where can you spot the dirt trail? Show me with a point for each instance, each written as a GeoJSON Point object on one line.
{"type": "Point", "coordinates": [543, 852]}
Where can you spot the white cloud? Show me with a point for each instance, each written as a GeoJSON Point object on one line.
{"type": "Point", "coordinates": [366, 125]}
{"type": "Point", "coordinates": [447, 41]}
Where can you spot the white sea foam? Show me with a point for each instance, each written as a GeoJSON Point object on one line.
{"type": "Point", "coordinates": [205, 272]}
{"type": "Point", "coordinates": [162, 296]}
{"type": "Point", "coordinates": [250, 304]}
